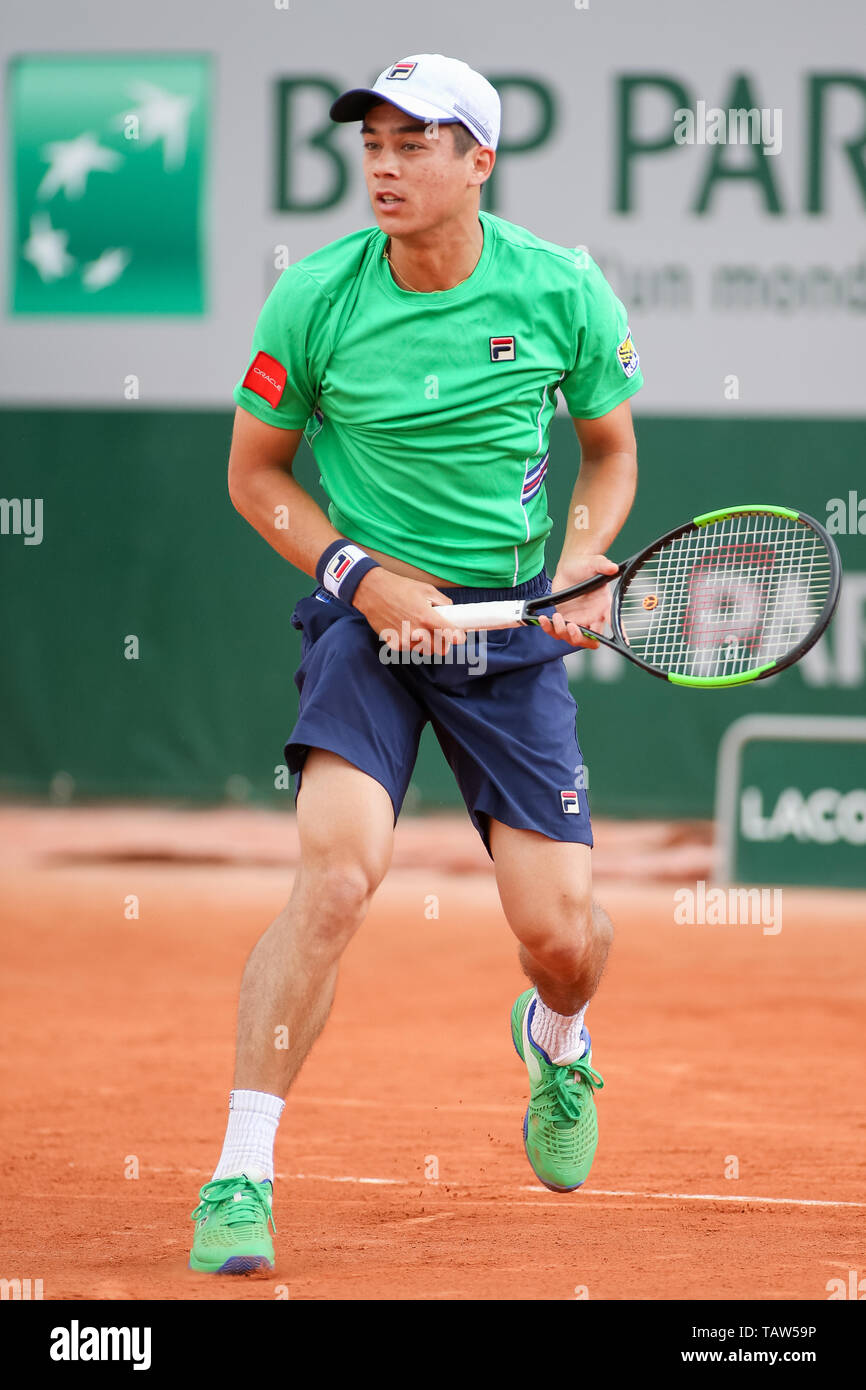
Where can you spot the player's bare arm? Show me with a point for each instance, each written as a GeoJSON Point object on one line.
{"type": "Point", "coordinates": [600, 503]}
{"type": "Point", "coordinates": [264, 491]}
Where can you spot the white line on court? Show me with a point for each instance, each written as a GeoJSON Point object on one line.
{"type": "Point", "coordinates": [295, 1177]}
{"type": "Point", "coordinates": [422, 1220]}
{"type": "Point", "coordinates": [711, 1197]}
{"type": "Point", "coordinates": [595, 1192]}
{"type": "Point", "coordinates": [321, 1177]}
{"type": "Point", "coordinates": [585, 1193]}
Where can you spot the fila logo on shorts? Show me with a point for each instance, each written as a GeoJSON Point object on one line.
{"type": "Point", "coordinates": [401, 70]}
{"type": "Point", "coordinates": [267, 377]}
{"type": "Point", "coordinates": [339, 566]}
{"type": "Point", "coordinates": [570, 803]}
{"type": "Point", "coordinates": [502, 349]}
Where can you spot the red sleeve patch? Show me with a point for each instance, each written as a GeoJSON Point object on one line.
{"type": "Point", "coordinates": [267, 377]}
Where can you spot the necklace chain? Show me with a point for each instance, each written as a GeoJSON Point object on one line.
{"type": "Point", "coordinates": [386, 253]}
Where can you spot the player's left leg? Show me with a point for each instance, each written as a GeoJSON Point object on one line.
{"type": "Point", "coordinates": [507, 727]}
{"type": "Point", "coordinates": [545, 887]}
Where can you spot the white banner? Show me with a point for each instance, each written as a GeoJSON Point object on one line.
{"type": "Point", "coordinates": [711, 158]}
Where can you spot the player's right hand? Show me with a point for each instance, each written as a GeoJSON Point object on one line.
{"type": "Point", "coordinates": [401, 613]}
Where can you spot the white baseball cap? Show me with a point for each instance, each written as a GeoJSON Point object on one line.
{"type": "Point", "coordinates": [430, 88]}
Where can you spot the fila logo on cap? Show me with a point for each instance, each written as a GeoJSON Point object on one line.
{"type": "Point", "coordinates": [441, 89]}
{"type": "Point", "coordinates": [570, 803]}
{"type": "Point", "coordinates": [502, 349]}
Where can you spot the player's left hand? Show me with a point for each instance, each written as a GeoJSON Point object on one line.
{"type": "Point", "coordinates": [592, 610]}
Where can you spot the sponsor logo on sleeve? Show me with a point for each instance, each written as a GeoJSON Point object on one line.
{"type": "Point", "coordinates": [627, 355]}
{"type": "Point", "coordinates": [266, 377]}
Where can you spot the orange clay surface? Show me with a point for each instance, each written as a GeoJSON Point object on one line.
{"type": "Point", "coordinates": [400, 1166]}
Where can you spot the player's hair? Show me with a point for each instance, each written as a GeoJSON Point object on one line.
{"type": "Point", "coordinates": [463, 139]}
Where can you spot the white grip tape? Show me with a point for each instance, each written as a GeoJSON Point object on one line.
{"type": "Point", "coordinates": [474, 617]}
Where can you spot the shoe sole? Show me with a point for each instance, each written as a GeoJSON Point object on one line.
{"type": "Point", "coordinates": [237, 1264]}
{"type": "Point", "coordinates": [551, 1187]}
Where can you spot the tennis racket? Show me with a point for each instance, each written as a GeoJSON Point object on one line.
{"type": "Point", "coordinates": [731, 596]}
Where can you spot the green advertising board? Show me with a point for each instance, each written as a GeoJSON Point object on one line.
{"type": "Point", "coordinates": [138, 539]}
{"type": "Point", "coordinates": [108, 172]}
{"type": "Point", "coordinates": [791, 801]}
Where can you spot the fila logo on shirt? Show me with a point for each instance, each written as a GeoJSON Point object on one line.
{"type": "Point", "coordinates": [502, 349]}
{"type": "Point", "coordinates": [401, 70]}
{"type": "Point", "coordinates": [570, 803]}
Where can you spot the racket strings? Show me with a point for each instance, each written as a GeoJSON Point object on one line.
{"type": "Point", "coordinates": [725, 598]}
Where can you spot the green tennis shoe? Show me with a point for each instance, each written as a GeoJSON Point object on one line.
{"type": "Point", "coordinates": [231, 1233]}
{"type": "Point", "coordinates": [560, 1128]}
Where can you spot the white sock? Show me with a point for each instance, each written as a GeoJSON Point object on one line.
{"type": "Point", "coordinates": [249, 1143]}
{"type": "Point", "coordinates": [557, 1034]}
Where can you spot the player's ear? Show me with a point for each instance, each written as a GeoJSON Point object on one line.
{"type": "Point", "coordinates": [483, 160]}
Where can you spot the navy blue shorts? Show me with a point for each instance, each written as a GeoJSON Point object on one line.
{"type": "Point", "coordinates": [500, 708]}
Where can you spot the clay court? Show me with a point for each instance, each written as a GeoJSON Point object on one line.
{"type": "Point", "coordinates": [400, 1168]}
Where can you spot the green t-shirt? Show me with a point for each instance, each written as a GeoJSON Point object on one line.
{"type": "Point", "coordinates": [428, 414]}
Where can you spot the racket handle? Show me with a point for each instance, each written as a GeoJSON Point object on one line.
{"type": "Point", "coordinates": [475, 617]}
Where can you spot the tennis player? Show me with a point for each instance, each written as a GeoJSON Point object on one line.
{"type": "Point", "coordinates": [421, 358]}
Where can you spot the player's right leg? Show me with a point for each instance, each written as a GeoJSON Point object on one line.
{"type": "Point", "coordinates": [346, 827]}
{"type": "Point", "coordinates": [353, 746]}
{"type": "Point", "coordinates": [346, 831]}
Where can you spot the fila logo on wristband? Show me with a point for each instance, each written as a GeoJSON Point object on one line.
{"type": "Point", "coordinates": [267, 377]}
{"type": "Point", "coordinates": [340, 565]}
